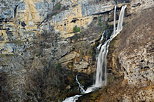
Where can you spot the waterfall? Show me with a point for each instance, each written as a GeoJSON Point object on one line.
{"type": "Point", "coordinates": [80, 86]}
{"type": "Point", "coordinates": [120, 21]}
{"type": "Point", "coordinates": [72, 99]}
{"type": "Point", "coordinates": [102, 37]}
{"type": "Point", "coordinates": [101, 71]}
{"type": "Point", "coordinates": [114, 30]}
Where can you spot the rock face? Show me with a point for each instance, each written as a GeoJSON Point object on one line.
{"type": "Point", "coordinates": [140, 5]}
{"type": "Point", "coordinates": [132, 56]}
{"type": "Point", "coordinates": [65, 21]}
{"type": "Point", "coordinates": [136, 56]}
{"type": "Point", "coordinates": [39, 64]}
{"type": "Point", "coordinates": [36, 63]}
{"type": "Point", "coordinates": [80, 15]}
{"type": "Point", "coordinates": [91, 9]}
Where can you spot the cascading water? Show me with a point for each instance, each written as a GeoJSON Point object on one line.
{"type": "Point", "coordinates": [99, 46]}
{"type": "Point", "coordinates": [80, 86]}
{"type": "Point", "coordinates": [101, 72]}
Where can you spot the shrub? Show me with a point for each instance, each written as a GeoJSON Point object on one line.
{"type": "Point", "coordinates": [100, 21]}
{"type": "Point", "coordinates": [76, 29]}
{"type": "Point", "coordinates": [57, 6]}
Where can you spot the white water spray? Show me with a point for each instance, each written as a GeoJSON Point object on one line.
{"type": "Point", "coordinates": [101, 72]}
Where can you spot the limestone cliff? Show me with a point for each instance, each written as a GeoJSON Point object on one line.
{"type": "Point", "coordinates": [35, 61]}
{"type": "Point", "coordinates": [132, 57]}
